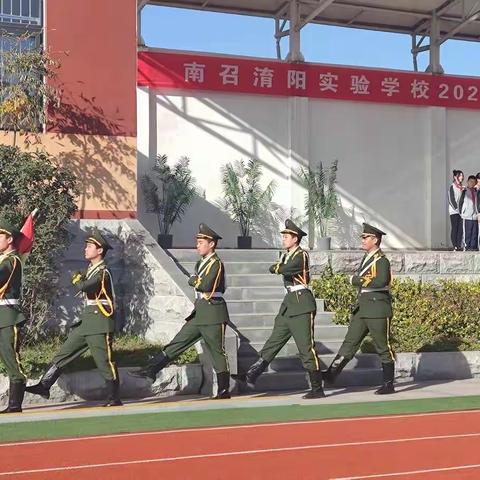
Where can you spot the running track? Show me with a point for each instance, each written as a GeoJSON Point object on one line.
{"type": "Point", "coordinates": [424, 446]}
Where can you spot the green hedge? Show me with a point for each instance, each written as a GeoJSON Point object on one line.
{"type": "Point", "coordinates": [128, 351]}
{"type": "Point", "coordinates": [442, 316]}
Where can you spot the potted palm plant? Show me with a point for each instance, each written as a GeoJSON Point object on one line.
{"type": "Point", "coordinates": [168, 192]}
{"type": "Point", "coordinates": [244, 196]}
{"type": "Point", "coordinates": [320, 199]}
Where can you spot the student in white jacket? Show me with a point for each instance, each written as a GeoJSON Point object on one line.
{"type": "Point", "coordinates": [454, 192]}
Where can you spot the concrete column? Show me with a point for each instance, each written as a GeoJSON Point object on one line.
{"type": "Point", "coordinates": [298, 154]}
{"type": "Point", "coordinates": [436, 170]}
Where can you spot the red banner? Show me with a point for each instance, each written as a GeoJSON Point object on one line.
{"type": "Point", "coordinates": [167, 70]}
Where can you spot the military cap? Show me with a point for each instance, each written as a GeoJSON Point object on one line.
{"type": "Point", "coordinates": [291, 228]}
{"type": "Point", "coordinates": [97, 239]}
{"type": "Point", "coordinates": [8, 228]}
{"type": "Point", "coordinates": [204, 231]}
{"type": "Point", "coordinates": [371, 230]}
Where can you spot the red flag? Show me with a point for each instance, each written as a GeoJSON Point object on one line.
{"type": "Point", "coordinates": [27, 235]}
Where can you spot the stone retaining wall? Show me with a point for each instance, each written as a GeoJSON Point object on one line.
{"type": "Point", "coordinates": [89, 385]}
{"type": "Point", "coordinates": [420, 265]}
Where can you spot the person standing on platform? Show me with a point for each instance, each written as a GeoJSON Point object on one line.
{"type": "Point", "coordinates": [454, 192]}
{"type": "Point", "coordinates": [468, 207]}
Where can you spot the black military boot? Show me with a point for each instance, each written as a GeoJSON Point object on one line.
{"type": "Point", "coordinates": [223, 386]}
{"type": "Point", "coordinates": [15, 397]}
{"type": "Point", "coordinates": [152, 368]}
{"type": "Point", "coordinates": [113, 393]}
{"type": "Point", "coordinates": [388, 377]}
{"type": "Point", "coordinates": [333, 371]}
{"type": "Point", "coordinates": [316, 388]}
{"type": "Point", "coordinates": [248, 379]}
{"type": "Point", "coordinates": [42, 388]}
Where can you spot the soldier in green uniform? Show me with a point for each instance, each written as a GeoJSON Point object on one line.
{"type": "Point", "coordinates": [94, 329]}
{"type": "Point", "coordinates": [295, 317]}
{"type": "Point", "coordinates": [208, 319]}
{"type": "Point", "coordinates": [372, 312]}
{"type": "Point", "coordinates": [11, 316]}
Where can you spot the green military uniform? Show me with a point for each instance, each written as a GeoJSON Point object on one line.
{"type": "Point", "coordinates": [11, 319]}
{"type": "Point", "coordinates": [295, 317]}
{"type": "Point", "coordinates": [207, 321]}
{"type": "Point", "coordinates": [371, 314]}
{"type": "Point", "coordinates": [94, 328]}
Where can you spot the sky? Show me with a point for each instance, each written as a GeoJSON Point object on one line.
{"type": "Point", "coordinates": [181, 29]}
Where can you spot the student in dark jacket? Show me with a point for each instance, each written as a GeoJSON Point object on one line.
{"type": "Point", "coordinates": [468, 207]}
{"type": "Point", "coordinates": [454, 192]}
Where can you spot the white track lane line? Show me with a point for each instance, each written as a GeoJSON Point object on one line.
{"type": "Point", "coordinates": [234, 453]}
{"type": "Point", "coordinates": [239, 427]}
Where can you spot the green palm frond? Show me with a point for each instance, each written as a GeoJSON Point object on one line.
{"type": "Point", "coordinates": [321, 198]}
{"type": "Point", "coordinates": [244, 196]}
{"type": "Point", "coordinates": [169, 191]}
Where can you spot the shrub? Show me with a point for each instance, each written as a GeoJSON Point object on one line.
{"type": "Point", "coordinates": [28, 181]}
{"type": "Point", "coordinates": [427, 316]}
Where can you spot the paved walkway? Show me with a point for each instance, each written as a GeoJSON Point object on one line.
{"type": "Point", "coordinates": [406, 391]}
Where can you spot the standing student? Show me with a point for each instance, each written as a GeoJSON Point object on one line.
{"type": "Point", "coordinates": [468, 207]}
{"type": "Point", "coordinates": [454, 192]}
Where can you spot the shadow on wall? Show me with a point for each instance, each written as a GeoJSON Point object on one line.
{"type": "Point", "coordinates": [104, 163]}
{"type": "Point", "coordinates": [133, 281]}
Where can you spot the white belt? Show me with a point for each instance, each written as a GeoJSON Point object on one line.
{"type": "Point", "coordinates": [214, 295]}
{"type": "Point", "coordinates": [367, 290]}
{"type": "Point", "coordinates": [10, 301]}
{"type": "Point", "coordinates": [95, 302]}
{"type": "Point", "coordinates": [295, 288]}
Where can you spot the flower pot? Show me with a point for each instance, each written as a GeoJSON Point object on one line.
{"type": "Point", "coordinates": [165, 241]}
{"type": "Point", "coordinates": [244, 242]}
{"type": "Point", "coordinates": [324, 243]}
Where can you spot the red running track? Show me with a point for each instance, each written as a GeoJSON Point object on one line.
{"type": "Point", "coordinates": [425, 446]}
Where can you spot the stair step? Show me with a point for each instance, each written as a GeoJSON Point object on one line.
{"type": "Point", "coordinates": [236, 267]}
{"type": "Point", "coordinates": [253, 280]}
{"type": "Point", "coordinates": [226, 254]}
{"type": "Point", "coordinates": [360, 361]}
{"type": "Point", "coordinates": [251, 293]}
{"type": "Point", "coordinates": [322, 333]}
{"type": "Point", "coordinates": [290, 349]}
{"type": "Point", "coordinates": [267, 319]}
{"type": "Point", "coordinates": [269, 381]}
{"type": "Point", "coordinates": [263, 306]}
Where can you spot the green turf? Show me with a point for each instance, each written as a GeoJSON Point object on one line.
{"type": "Point", "coordinates": [33, 430]}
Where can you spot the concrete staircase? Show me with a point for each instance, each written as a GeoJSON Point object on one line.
{"type": "Point", "coordinates": [254, 296]}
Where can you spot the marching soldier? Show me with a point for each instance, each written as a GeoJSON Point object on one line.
{"type": "Point", "coordinates": [11, 316]}
{"type": "Point", "coordinates": [372, 312]}
{"type": "Point", "coordinates": [94, 329]}
{"type": "Point", "coordinates": [208, 319]}
{"type": "Point", "coordinates": [295, 317]}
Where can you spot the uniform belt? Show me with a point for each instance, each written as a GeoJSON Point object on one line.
{"type": "Point", "coordinates": [368, 290]}
{"type": "Point", "coordinates": [96, 302]}
{"type": "Point", "coordinates": [199, 295]}
{"type": "Point", "coordinates": [9, 301]}
{"type": "Point", "coordinates": [295, 288]}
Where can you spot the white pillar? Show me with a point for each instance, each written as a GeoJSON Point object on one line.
{"type": "Point", "coordinates": [437, 175]}
{"type": "Point", "coordinates": [298, 153]}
